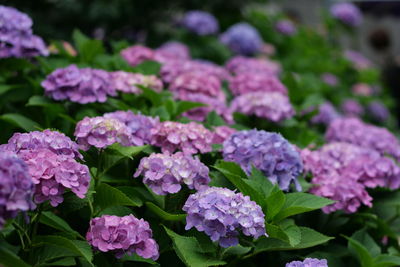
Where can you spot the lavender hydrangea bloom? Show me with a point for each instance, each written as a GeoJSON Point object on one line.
{"type": "Point", "coordinates": [243, 39]}
{"type": "Point", "coordinates": [173, 50]}
{"type": "Point", "coordinates": [101, 132]}
{"type": "Point", "coordinates": [268, 152]}
{"type": "Point", "coordinates": [347, 13]}
{"type": "Point", "coordinates": [327, 113]}
{"type": "Point", "coordinates": [286, 27]}
{"type": "Point", "coordinates": [353, 130]}
{"type": "Point", "coordinates": [358, 60]}
{"type": "Point", "coordinates": [351, 107]}
{"type": "Point", "coordinates": [378, 111]}
{"type": "Point", "coordinates": [329, 79]}
{"type": "Point", "coordinates": [200, 22]}
{"type": "Point", "coordinates": [16, 187]}
{"type": "Point", "coordinates": [122, 235]}
{"type": "Point", "coordinates": [127, 82]}
{"type": "Point", "coordinates": [16, 37]}
{"type": "Point", "coordinates": [270, 105]}
{"type": "Point", "coordinates": [255, 82]}
{"type": "Point", "coordinates": [79, 85]}
{"type": "Point", "coordinates": [190, 138]}
{"type": "Point", "coordinates": [308, 262]}
{"type": "Point", "coordinates": [136, 54]}
{"type": "Point", "coordinates": [222, 213]}
{"type": "Point", "coordinates": [138, 124]}
{"type": "Point", "coordinates": [221, 133]}
{"type": "Point", "coordinates": [240, 64]}
{"type": "Point", "coordinates": [165, 173]}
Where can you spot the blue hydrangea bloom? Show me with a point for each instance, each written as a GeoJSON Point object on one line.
{"type": "Point", "coordinates": [200, 22]}
{"type": "Point", "coordinates": [242, 38]}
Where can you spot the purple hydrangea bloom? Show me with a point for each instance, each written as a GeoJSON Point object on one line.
{"type": "Point", "coordinates": [221, 133]}
{"type": "Point", "coordinates": [347, 13]}
{"type": "Point", "coordinates": [165, 173]}
{"type": "Point", "coordinates": [286, 27]}
{"type": "Point", "coordinates": [362, 89]}
{"type": "Point", "coordinates": [353, 130]}
{"type": "Point", "coordinates": [101, 132]}
{"type": "Point", "coordinates": [358, 60]}
{"type": "Point", "coordinates": [378, 111]}
{"type": "Point", "coordinates": [270, 105]}
{"type": "Point", "coordinates": [351, 107]}
{"type": "Point", "coordinates": [240, 64]}
{"type": "Point", "coordinates": [243, 39]}
{"type": "Point", "coordinates": [138, 124]}
{"type": "Point", "coordinates": [122, 235]}
{"type": "Point", "coordinates": [329, 79]}
{"type": "Point", "coordinates": [127, 82]}
{"type": "Point", "coordinates": [16, 37]}
{"type": "Point", "coordinates": [79, 85]}
{"type": "Point", "coordinates": [222, 213]}
{"type": "Point", "coordinates": [190, 138]}
{"type": "Point", "coordinates": [255, 82]}
{"type": "Point", "coordinates": [200, 22]}
{"type": "Point", "coordinates": [269, 152]}
{"type": "Point", "coordinates": [327, 113]}
{"type": "Point", "coordinates": [136, 54]}
{"type": "Point", "coordinates": [16, 187]}
{"type": "Point", "coordinates": [172, 50]}
{"type": "Point", "coordinates": [308, 262]}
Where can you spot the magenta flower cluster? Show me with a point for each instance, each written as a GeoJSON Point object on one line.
{"type": "Point", "coordinates": [165, 173]}
{"type": "Point", "coordinates": [347, 13]}
{"type": "Point", "coordinates": [268, 152]}
{"type": "Point", "coordinates": [255, 82]}
{"type": "Point", "coordinates": [242, 39]}
{"type": "Point", "coordinates": [351, 107]}
{"type": "Point", "coordinates": [286, 27]}
{"type": "Point", "coordinates": [122, 235]}
{"type": "Point", "coordinates": [378, 111]}
{"type": "Point", "coordinates": [240, 64]}
{"type": "Point", "coordinates": [308, 262]}
{"type": "Point", "coordinates": [16, 187]}
{"type": "Point", "coordinates": [190, 138]}
{"type": "Point", "coordinates": [327, 113]}
{"type": "Point", "coordinates": [221, 133]}
{"type": "Point", "coordinates": [330, 79]}
{"type": "Point", "coordinates": [221, 213]}
{"type": "Point", "coordinates": [173, 50]}
{"type": "Point", "coordinates": [273, 106]}
{"type": "Point", "coordinates": [16, 37]}
{"type": "Point", "coordinates": [127, 82]}
{"type": "Point", "coordinates": [358, 60]}
{"type": "Point", "coordinates": [200, 22]}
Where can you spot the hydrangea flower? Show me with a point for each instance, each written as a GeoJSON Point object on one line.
{"type": "Point", "coordinates": [329, 79]}
{"type": "Point", "coordinates": [285, 27]}
{"type": "Point", "coordinates": [353, 130]}
{"type": "Point", "coordinates": [165, 173]}
{"type": "Point", "coordinates": [269, 152]}
{"type": "Point", "coordinates": [358, 60]}
{"type": "Point", "coordinates": [243, 39]}
{"type": "Point", "coordinates": [138, 124]}
{"type": "Point", "coordinates": [351, 107]}
{"type": "Point", "coordinates": [378, 111]}
{"type": "Point", "coordinates": [190, 138]}
{"type": "Point", "coordinates": [326, 114]}
{"type": "Point", "coordinates": [362, 89]}
{"type": "Point", "coordinates": [101, 132]}
{"type": "Point", "coordinates": [270, 105]}
{"type": "Point", "coordinates": [16, 37]}
{"type": "Point", "coordinates": [173, 50]}
{"type": "Point", "coordinates": [248, 82]}
{"type": "Point", "coordinates": [200, 22]}
{"type": "Point", "coordinates": [221, 133]}
{"type": "Point", "coordinates": [221, 213]}
{"type": "Point", "coordinates": [240, 64]}
{"type": "Point", "coordinates": [308, 262]}
{"type": "Point", "coordinates": [16, 187]}
{"type": "Point", "coordinates": [122, 235]}
{"type": "Point", "coordinates": [79, 85]}
{"type": "Point", "coordinates": [127, 82]}
{"type": "Point", "coordinates": [136, 54]}
{"type": "Point", "coordinates": [347, 13]}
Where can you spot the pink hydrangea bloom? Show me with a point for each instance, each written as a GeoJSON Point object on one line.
{"type": "Point", "coordinates": [221, 133]}
{"type": "Point", "coordinates": [127, 82]}
{"type": "Point", "coordinates": [171, 51]}
{"type": "Point", "coordinates": [136, 54]}
{"type": "Point", "coordinates": [241, 64]}
{"type": "Point", "coordinates": [351, 107]}
{"type": "Point", "coordinates": [362, 89]}
{"type": "Point", "coordinates": [255, 82]}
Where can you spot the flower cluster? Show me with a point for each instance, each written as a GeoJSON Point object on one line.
{"type": "Point", "coordinates": [190, 138]}
{"type": "Point", "coordinates": [378, 111]}
{"type": "Point", "coordinates": [222, 213]}
{"type": "Point", "coordinates": [255, 82]}
{"type": "Point", "coordinates": [308, 262]}
{"type": "Point", "coordinates": [353, 130]}
{"type": "Point", "coordinates": [243, 39]}
{"type": "Point", "coordinates": [351, 107]}
{"type": "Point", "coordinates": [122, 235]}
{"type": "Point", "coordinates": [138, 124]}
{"type": "Point", "coordinates": [16, 187]}
{"type": "Point", "coordinates": [79, 85]}
{"type": "Point", "coordinates": [51, 159]}
{"type": "Point", "coordinates": [101, 132]}
{"type": "Point", "coordinates": [326, 114]}
{"type": "Point", "coordinates": [221, 133]}
{"type": "Point", "coordinates": [127, 82]}
{"type": "Point", "coordinates": [268, 152]}
{"type": "Point", "coordinates": [172, 50]}
{"type": "Point", "coordinates": [329, 79]}
{"type": "Point", "coordinates": [16, 37]}
{"type": "Point", "coordinates": [136, 54]}
{"type": "Point", "coordinates": [240, 64]}
{"type": "Point", "coordinates": [165, 173]}
{"type": "Point", "coordinates": [286, 27]}
{"type": "Point", "coordinates": [357, 59]}
{"type": "Point", "coordinates": [362, 89]}
{"type": "Point", "coordinates": [200, 22]}
{"type": "Point", "coordinates": [347, 13]}
{"type": "Point", "coordinates": [270, 105]}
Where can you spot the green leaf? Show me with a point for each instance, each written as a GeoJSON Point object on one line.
{"type": "Point", "coordinates": [137, 258]}
{"type": "Point", "coordinates": [5, 87]}
{"type": "Point", "coordinates": [297, 203]}
{"type": "Point", "coordinates": [79, 248]}
{"type": "Point", "coordinates": [236, 250]}
{"type": "Point", "coordinates": [213, 119]}
{"type": "Point", "coordinates": [69, 261]}
{"type": "Point", "coordinates": [184, 106]}
{"type": "Point", "coordinates": [40, 101]}
{"type": "Point", "coordinates": [189, 251]}
{"type": "Point", "coordinates": [148, 67]}
{"type": "Point", "coordinates": [385, 260]}
{"type": "Point", "coordinates": [107, 196]}
{"type": "Point", "coordinates": [292, 231]}
{"type": "Point", "coordinates": [127, 151]}
{"type": "Point", "coordinates": [154, 97]}
{"type": "Point", "coordinates": [88, 48]}
{"type": "Point", "coordinates": [163, 214]}
{"type": "Point", "coordinates": [362, 252]}
{"type": "Point", "coordinates": [49, 255]}
{"type": "Point", "coordinates": [9, 259]}
{"type": "Point", "coordinates": [274, 204]}
{"type": "Point", "coordinates": [52, 220]}
{"type": "Point", "coordinates": [21, 121]}
{"type": "Point", "coordinates": [364, 238]}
